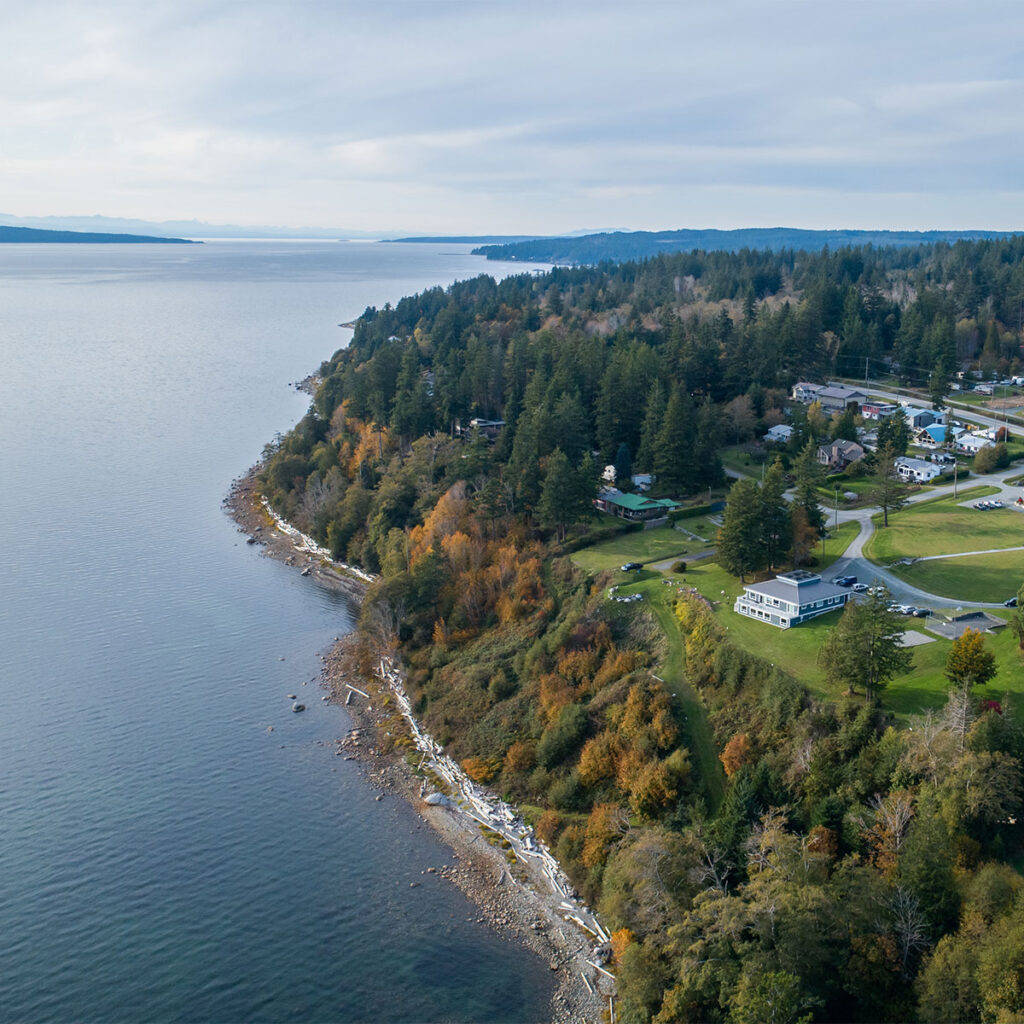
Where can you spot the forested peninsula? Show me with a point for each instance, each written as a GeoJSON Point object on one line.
{"type": "Point", "coordinates": [37, 235]}
{"type": "Point", "coordinates": [762, 846]}
{"type": "Point", "coordinates": [636, 245]}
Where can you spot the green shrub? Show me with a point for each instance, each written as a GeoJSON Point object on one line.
{"type": "Point", "coordinates": [679, 566]}
{"type": "Point", "coordinates": [563, 736]}
{"type": "Point", "coordinates": [689, 513]}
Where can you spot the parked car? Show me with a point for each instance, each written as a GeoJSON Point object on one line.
{"type": "Point", "coordinates": [995, 503]}
{"type": "Point", "coordinates": [859, 588]}
{"type": "Point", "coordinates": [1010, 602]}
{"type": "Point", "coordinates": [905, 609]}
{"type": "Point", "coordinates": [630, 566]}
{"type": "Point", "coordinates": [921, 613]}
{"type": "Point", "coordinates": [845, 581]}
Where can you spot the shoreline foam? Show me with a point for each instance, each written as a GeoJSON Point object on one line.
{"type": "Point", "coordinates": [526, 897]}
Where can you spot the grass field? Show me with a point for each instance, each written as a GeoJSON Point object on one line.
{"type": "Point", "coordinates": [741, 461]}
{"type": "Point", "coordinates": [942, 527]}
{"type": "Point", "coordinates": [973, 578]}
{"type": "Point", "coordinates": [795, 650]}
{"type": "Point", "coordinates": [646, 546]}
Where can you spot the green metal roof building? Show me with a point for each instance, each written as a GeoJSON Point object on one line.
{"type": "Point", "coordinates": [635, 507]}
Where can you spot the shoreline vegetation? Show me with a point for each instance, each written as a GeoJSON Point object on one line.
{"type": "Point", "coordinates": [760, 846]}
{"type": "Point", "coordinates": [520, 889]}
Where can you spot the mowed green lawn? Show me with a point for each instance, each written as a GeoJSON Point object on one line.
{"type": "Point", "coordinates": [972, 578]}
{"type": "Point", "coordinates": [656, 545]}
{"type": "Point", "coordinates": [796, 649]}
{"type": "Point", "coordinates": [942, 527]}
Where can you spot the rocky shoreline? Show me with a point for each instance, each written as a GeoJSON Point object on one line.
{"type": "Point", "coordinates": [514, 896]}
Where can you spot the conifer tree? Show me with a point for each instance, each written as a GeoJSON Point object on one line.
{"type": "Point", "coordinates": [653, 418]}
{"type": "Point", "coordinates": [674, 463]}
{"type": "Point", "coordinates": [775, 524]}
{"type": "Point", "coordinates": [740, 540]}
{"type": "Point", "coordinates": [809, 477]}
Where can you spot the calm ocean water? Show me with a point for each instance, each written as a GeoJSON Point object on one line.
{"type": "Point", "coordinates": [175, 845]}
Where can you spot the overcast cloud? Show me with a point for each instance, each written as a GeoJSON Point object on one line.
{"type": "Point", "coordinates": [516, 117]}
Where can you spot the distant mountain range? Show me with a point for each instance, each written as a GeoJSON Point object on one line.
{"type": "Point", "coordinates": [36, 235]}
{"type": "Point", "coordinates": [620, 246]}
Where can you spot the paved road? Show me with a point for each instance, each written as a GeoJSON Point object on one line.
{"type": "Point", "coordinates": [917, 403]}
{"type": "Point", "coordinates": [853, 563]}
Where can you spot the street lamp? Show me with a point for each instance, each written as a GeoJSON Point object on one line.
{"type": "Point", "coordinates": [837, 507]}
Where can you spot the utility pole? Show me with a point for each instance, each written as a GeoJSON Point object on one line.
{"type": "Point", "coordinates": [837, 508]}
{"type": "Point", "coordinates": [956, 466]}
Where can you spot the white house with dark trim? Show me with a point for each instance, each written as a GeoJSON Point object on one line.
{"type": "Point", "coordinates": [916, 470]}
{"type": "Point", "coordinates": [790, 598]}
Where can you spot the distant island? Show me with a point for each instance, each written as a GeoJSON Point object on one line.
{"type": "Point", "coordinates": [619, 246]}
{"type": "Point", "coordinates": [470, 239]}
{"type": "Point", "coordinates": [13, 234]}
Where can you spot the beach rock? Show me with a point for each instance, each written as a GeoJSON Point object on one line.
{"type": "Point", "coordinates": [298, 707]}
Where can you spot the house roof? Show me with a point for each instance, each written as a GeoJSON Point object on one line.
{"type": "Point", "coordinates": [919, 464]}
{"type": "Point", "coordinates": [844, 446]}
{"type": "Point", "coordinates": [639, 503]}
{"type": "Point", "coordinates": [845, 394]}
{"type": "Point", "coordinates": [799, 591]}
{"type": "Point", "coordinates": [937, 432]}
{"type": "Point", "coordinates": [974, 441]}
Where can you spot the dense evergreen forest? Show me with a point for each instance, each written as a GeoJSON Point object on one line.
{"type": "Point", "coordinates": [828, 866]}
{"type": "Point", "coordinates": [36, 235]}
{"type": "Point", "coordinates": [638, 245]}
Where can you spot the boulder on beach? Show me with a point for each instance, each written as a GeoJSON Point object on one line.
{"type": "Point", "coordinates": [298, 707]}
{"type": "Point", "coordinates": [437, 800]}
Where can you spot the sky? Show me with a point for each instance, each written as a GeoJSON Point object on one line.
{"type": "Point", "coordinates": [515, 116]}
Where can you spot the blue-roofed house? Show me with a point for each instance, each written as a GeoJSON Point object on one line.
{"type": "Point", "coordinates": [936, 434]}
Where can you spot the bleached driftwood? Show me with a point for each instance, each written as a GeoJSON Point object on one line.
{"type": "Point", "coordinates": [488, 810]}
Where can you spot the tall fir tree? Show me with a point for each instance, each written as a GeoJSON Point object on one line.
{"type": "Point", "coordinates": [809, 477]}
{"type": "Point", "coordinates": [740, 541]}
{"type": "Point", "coordinates": [775, 522]}
{"type": "Point", "coordinates": [674, 461]}
{"type": "Point", "coordinates": [653, 418]}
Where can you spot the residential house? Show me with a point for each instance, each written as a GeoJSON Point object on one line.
{"type": "Point", "coordinates": [971, 444]}
{"type": "Point", "coordinates": [790, 598]}
{"type": "Point", "coordinates": [635, 507]}
{"type": "Point", "coordinates": [878, 410]}
{"type": "Point", "coordinates": [936, 434]}
{"type": "Point", "coordinates": [779, 434]}
{"type": "Point", "coordinates": [489, 428]}
{"type": "Point", "coordinates": [921, 418]}
{"type": "Point", "coordinates": [805, 393]}
{"type": "Point", "coordinates": [836, 398]}
{"type": "Point", "coordinates": [837, 455]}
{"type": "Point", "coordinates": [916, 470]}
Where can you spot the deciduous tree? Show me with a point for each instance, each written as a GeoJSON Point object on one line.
{"type": "Point", "coordinates": [968, 663]}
